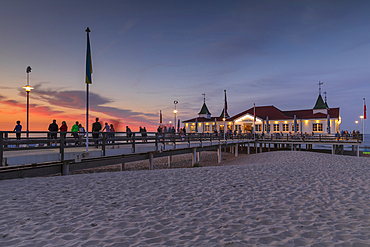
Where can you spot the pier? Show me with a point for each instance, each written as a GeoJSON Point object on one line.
{"type": "Point", "coordinates": [39, 156]}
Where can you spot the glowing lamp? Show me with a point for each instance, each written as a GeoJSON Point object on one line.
{"type": "Point", "coordinates": [28, 88]}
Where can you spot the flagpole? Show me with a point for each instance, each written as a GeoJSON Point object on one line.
{"type": "Point", "coordinates": [363, 128]}
{"type": "Point", "coordinates": [254, 121]}
{"type": "Point", "coordinates": [87, 117]}
{"type": "Point", "coordinates": [225, 117]}
{"type": "Point", "coordinates": [88, 81]}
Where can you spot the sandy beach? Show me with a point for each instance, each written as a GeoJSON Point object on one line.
{"type": "Point", "coordinates": [270, 199]}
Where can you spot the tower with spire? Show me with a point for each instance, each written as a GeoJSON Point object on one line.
{"type": "Point", "coordinates": [320, 106]}
{"type": "Point", "coordinates": [204, 112]}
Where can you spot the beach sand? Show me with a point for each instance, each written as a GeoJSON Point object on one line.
{"type": "Point", "coordinates": [270, 199]}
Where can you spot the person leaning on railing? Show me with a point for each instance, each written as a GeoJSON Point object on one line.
{"type": "Point", "coordinates": [18, 129]}
{"type": "Point", "coordinates": [74, 131]}
{"type": "Point", "coordinates": [53, 128]}
{"type": "Point", "coordinates": [96, 127]}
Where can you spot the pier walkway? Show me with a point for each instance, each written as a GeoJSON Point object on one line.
{"type": "Point", "coordinates": [36, 156]}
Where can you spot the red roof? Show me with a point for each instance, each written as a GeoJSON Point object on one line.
{"type": "Point", "coordinates": [273, 113]}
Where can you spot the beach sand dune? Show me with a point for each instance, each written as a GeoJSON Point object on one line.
{"type": "Point", "coordinates": [270, 199]}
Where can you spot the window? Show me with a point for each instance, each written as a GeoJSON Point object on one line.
{"type": "Point", "coordinates": [297, 127]}
{"type": "Point", "coordinates": [192, 128]}
{"type": "Point", "coordinates": [258, 127]}
{"type": "Point", "coordinates": [317, 127]}
{"type": "Point", "coordinates": [206, 128]}
{"type": "Point", "coordinates": [276, 128]}
{"type": "Point", "coordinates": [285, 127]}
{"type": "Point", "coordinates": [213, 127]}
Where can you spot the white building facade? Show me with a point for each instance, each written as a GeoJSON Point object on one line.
{"type": "Point", "coordinates": [269, 120]}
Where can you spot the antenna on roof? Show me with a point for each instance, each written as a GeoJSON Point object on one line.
{"type": "Point", "coordinates": [320, 83]}
{"type": "Point", "coordinates": [204, 95]}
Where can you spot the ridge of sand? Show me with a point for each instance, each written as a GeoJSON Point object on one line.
{"type": "Point", "coordinates": [269, 199]}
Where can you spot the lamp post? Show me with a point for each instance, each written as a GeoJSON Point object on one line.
{"type": "Point", "coordinates": [224, 119]}
{"type": "Point", "coordinates": [356, 124]}
{"type": "Point", "coordinates": [28, 89]}
{"type": "Point", "coordinates": [175, 111]}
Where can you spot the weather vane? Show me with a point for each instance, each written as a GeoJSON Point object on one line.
{"type": "Point", "coordinates": [320, 83]}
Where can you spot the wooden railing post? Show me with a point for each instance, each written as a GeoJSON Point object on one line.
{"type": "Point", "coordinates": [156, 141]}
{"type": "Point", "coordinates": [61, 147]}
{"type": "Point", "coordinates": [1, 148]}
{"type": "Point", "coordinates": [6, 140]}
{"type": "Point", "coordinates": [133, 142]}
{"type": "Point", "coordinates": [103, 137]}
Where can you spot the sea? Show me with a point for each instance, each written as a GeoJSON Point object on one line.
{"type": "Point", "coordinates": [365, 146]}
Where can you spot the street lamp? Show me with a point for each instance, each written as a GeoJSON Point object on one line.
{"type": "Point", "coordinates": [28, 89]}
{"type": "Point", "coordinates": [356, 124]}
{"type": "Point", "coordinates": [175, 111]}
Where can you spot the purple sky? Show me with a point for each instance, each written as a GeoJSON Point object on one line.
{"type": "Point", "coordinates": [146, 54]}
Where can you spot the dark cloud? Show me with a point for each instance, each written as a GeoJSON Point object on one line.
{"type": "Point", "coordinates": [75, 99]}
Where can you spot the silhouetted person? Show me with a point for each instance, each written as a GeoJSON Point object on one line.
{"type": "Point", "coordinates": [18, 129]}
{"type": "Point", "coordinates": [96, 127]}
{"type": "Point", "coordinates": [53, 128]}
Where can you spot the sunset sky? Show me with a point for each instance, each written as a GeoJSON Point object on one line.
{"type": "Point", "coordinates": [146, 54]}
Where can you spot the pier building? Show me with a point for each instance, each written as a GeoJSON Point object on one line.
{"type": "Point", "coordinates": [269, 119]}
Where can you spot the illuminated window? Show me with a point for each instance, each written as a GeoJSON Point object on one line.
{"type": "Point", "coordinates": [258, 127]}
{"type": "Point", "coordinates": [206, 128]}
{"type": "Point", "coordinates": [317, 127]}
{"type": "Point", "coordinates": [276, 128]}
{"type": "Point", "coordinates": [285, 127]}
{"type": "Point", "coordinates": [297, 127]}
{"type": "Point", "coordinates": [192, 128]}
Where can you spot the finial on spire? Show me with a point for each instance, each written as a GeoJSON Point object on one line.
{"type": "Point", "coordinates": [325, 96]}
{"type": "Point", "coordinates": [320, 83]}
{"type": "Point", "coordinates": [87, 30]}
{"type": "Point", "coordinates": [204, 97]}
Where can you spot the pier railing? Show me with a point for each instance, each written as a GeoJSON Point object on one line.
{"type": "Point", "coordinates": [104, 140]}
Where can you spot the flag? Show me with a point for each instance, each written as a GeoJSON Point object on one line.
{"type": "Point", "coordinates": [364, 109]}
{"type": "Point", "coordinates": [160, 116]}
{"type": "Point", "coordinates": [88, 60]}
{"type": "Point", "coordinates": [225, 112]}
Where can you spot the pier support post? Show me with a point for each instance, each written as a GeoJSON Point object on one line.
{"type": "Point", "coordinates": [333, 149]}
{"type": "Point", "coordinates": [358, 151]}
{"type": "Point", "coordinates": [122, 166]}
{"type": "Point", "coordinates": [151, 161]}
{"type": "Point", "coordinates": [269, 148]}
{"type": "Point", "coordinates": [194, 157]}
{"type": "Point", "coordinates": [260, 147]}
{"type": "Point", "coordinates": [1, 149]}
{"type": "Point", "coordinates": [248, 149]}
{"type": "Point", "coordinates": [170, 161]}
{"type": "Point", "coordinates": [65, 168]}
{"type": "Point", "coordinates": [198, 156]}
{"type": "Point", "coordinates": [219, 153]}
{"type": "Point", "coordinates": [236, 150]}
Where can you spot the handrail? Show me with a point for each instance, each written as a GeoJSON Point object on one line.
{"type": "Point", "coordinates": [42, 139]}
